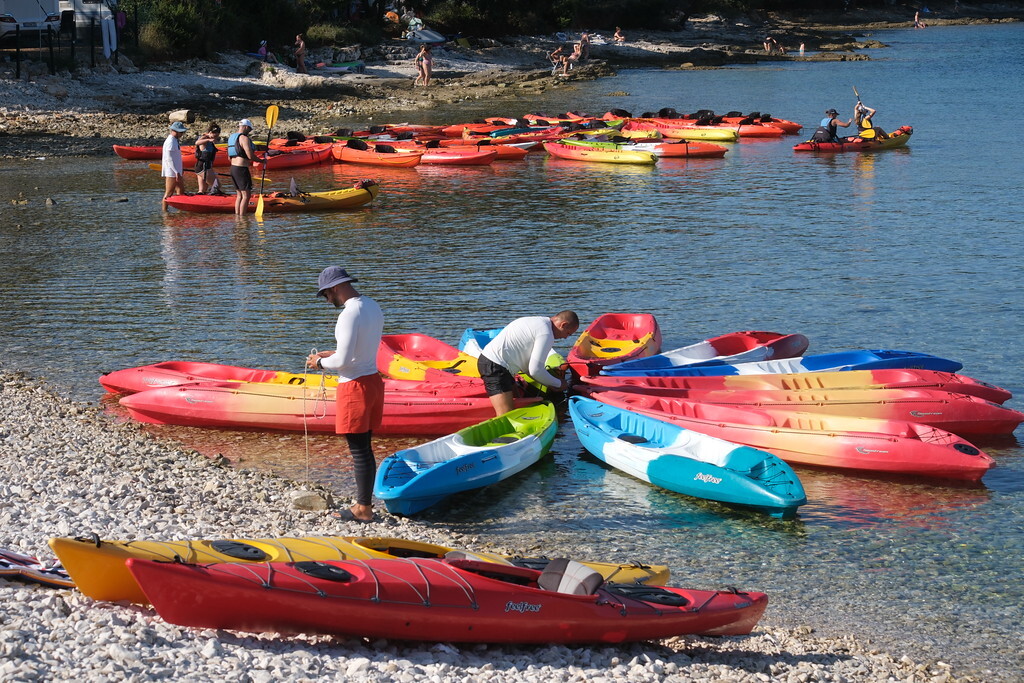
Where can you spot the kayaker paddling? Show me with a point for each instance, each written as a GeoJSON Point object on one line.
{"type": "Point", "coordinates": [360, 392]}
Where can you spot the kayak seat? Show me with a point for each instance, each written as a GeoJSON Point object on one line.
{"type": "Point", "coordinates": [567, 576]}
{"type": "Point", "coordinates": [504, 439]}
{"type": "Point", "coordinates": [632, 438]}
{"type": "Point", "coordinates": [385, 149]}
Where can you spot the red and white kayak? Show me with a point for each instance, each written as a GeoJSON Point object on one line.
{"type": "Point", "coordinates": [614, 338]}
{"type": "Point", "coordinates": [735, 347]}
{"type": "Point", "coordinates": [287, 407]}
{"type": "Point", "coordinates": [890, 378]}
{"type": "Point", "coordinates": [455, 600]}
{"type": "Point", "coordinates": [957, 413]}
{"type": "Point", "coordinates": [460, 156]}
{"type": "Point", "coordinates": [178, 372]}
{"type": "Point", "coordinates": [892, 447]}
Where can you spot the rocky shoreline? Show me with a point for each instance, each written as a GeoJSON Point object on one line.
{"type": "Point", "coordinates": [84, 113]}
{"type": "Point", "coordinates": [68, 469]}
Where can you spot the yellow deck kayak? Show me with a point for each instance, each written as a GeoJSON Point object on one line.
{"type": "Point", "coordinates": [98, 567]}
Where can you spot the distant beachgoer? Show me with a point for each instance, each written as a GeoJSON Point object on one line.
{"type": "Point", "coordinates": [557, 57]}
{"type": "Point", "coordinates": [300, 54]}
{"type": "Point", "coordinates": [618, 37]}
{"type": "Point", "coordinates": [266, 54]}
{"type": "Point", "coordinates": [828, 128]}
{"type": "Point", "coordinates": [170, 163]}
{"type": "Point", "coordinates": [424, 66]}
{"type": "Point", "coordinates": [584, 45]}
{"type": "Point", "coordinates": [206, 152]}
{"type": "Point", "coordinates": [771, 45]}
{"type": "Point", "coordinates": [917, 21]}
{"type": "Point", "coordinates": [577, 55]}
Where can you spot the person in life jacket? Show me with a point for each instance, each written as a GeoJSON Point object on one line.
{"type": "Point", "coordinates": [242, 154]}
{"type": "Point", "coordinates": [865, 127]}
{"type": "Point", "coordinates": [827, 129]}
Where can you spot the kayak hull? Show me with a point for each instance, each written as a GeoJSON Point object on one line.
{"type": "Point", "coordinates": [899, 138]}
{"type": "Point", "coordinates": [686, 461]}
{"type": "Point", "coordinates": [329, 200]}
{"type": "Point", "coordinates": [283, 407]}
{"type": "Point", "coordinates": [886, 447]}
{"type": "Point", "coordinates": [428, 600]}
{"type": "Point", "coordinates": [415, 479]}
{"type": "Point", "coordinates": [97, 567]}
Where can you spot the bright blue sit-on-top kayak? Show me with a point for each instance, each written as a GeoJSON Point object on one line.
{"type": "Point", "coordinates": [873, 359]}
{"type": "Point", "coordinates": [686, 461]}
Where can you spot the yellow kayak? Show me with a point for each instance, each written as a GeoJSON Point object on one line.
{"type": "Point", "coordinates": [98, 567]}
{"type": "Point", "coordinates": [608, 156]}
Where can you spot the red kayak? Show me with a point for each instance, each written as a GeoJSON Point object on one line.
{"type": "Point", "coordinates": [811, 381]}
{"type": "Point", "coordinates": [957, 413]}
{"type": "Point", "coordinates": [469, 155]}
{"type": "Point", "coordinates": [421, 357]}
{"type": "Point", "coordinates": [898, 138]}
{"type": "Point", "coordinates": [178, 372]}
{"type": "Point", "coordinates": [359, 152]}
{"type": "Point", "coordinates": [287, 407]}
{"type": "Point", "coordinates": [890, 447]}
{"type": "Point", "coordinates": [293, 158]}
{"type": "Point", "coordinates": [451, 600]}
{"type": "Point", "coordinates": [135, 152]}
{"type": "Point", "coordinates": [614, 338]}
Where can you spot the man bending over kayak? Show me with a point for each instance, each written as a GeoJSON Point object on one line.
{"type": "Point", "coordinates": [523, 346]}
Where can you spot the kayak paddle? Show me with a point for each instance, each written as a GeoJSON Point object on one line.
{"type": "Point", "coordinates": [272, 112]}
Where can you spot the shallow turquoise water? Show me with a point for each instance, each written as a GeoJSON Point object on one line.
{"type": "Point", "coordinates": [911, 249]}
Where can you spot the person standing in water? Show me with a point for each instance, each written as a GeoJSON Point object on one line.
{"type": "Point", "coordinates": [170, 163]}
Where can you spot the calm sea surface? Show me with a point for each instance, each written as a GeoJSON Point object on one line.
{"type": "Point", "coordinates": [917, 249]}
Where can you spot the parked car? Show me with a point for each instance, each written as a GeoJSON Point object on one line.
{"type": "Point", "coordinates": [31, 16]}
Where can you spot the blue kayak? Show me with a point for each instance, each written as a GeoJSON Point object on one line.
{"type": "Point", "coordinates": [686, 461]}
{"type": "Point", "coordinates": [473, 340]}
{"type": "Point", "coordinates": [414, 479]}
{"type": "Point", "coordinates": [874, 359]}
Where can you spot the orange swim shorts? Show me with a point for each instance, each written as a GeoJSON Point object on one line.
{"type": "Point", "coordinates": [359, 405]}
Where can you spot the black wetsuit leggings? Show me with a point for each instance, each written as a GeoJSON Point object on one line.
{"type": "Point", "coordinates": [364, 465]}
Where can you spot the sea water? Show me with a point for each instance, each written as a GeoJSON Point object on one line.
{"type": "Point", "coordinates": [916, 248]}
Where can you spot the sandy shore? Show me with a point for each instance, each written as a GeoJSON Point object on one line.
{"type": "Point", "coordinates": [85, 112]}
{"type": "Point", "coordinates": [67, 469]}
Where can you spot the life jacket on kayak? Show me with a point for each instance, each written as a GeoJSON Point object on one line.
{"type": "Point", "coordinates": [826, 131]}
{"type": "Point", "coordinates": [235, 149]}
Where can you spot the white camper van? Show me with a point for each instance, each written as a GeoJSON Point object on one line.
{"type": "Point", "coordinates": [88, 13]}
{"type": "Point", "coordinates": [32, 16]}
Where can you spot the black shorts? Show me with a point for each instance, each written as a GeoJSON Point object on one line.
{"type": "Point", "coordinates": [497, 378]}
{"type": "Point", "coordinates": [242, 178]}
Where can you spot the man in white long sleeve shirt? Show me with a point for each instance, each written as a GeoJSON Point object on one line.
{"type": "Point", "coordinates": [170, 163]}
{"type": "Point", "coordinates": [523, 346]}
{"type": "Point", "coordinates": [360, 392]}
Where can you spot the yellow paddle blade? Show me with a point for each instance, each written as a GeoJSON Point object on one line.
{"type": "Point", "coordinates": [259, 208]}
{"type": "Point", "coordinates": [868, 133]}
{"type": "Point", "coordinates": [272, 112]}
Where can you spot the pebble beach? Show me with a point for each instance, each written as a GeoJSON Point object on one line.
{"type": "Point", "coordinates": [70, 468]}
{"type": "Point", "coordinates": [67, 469]}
